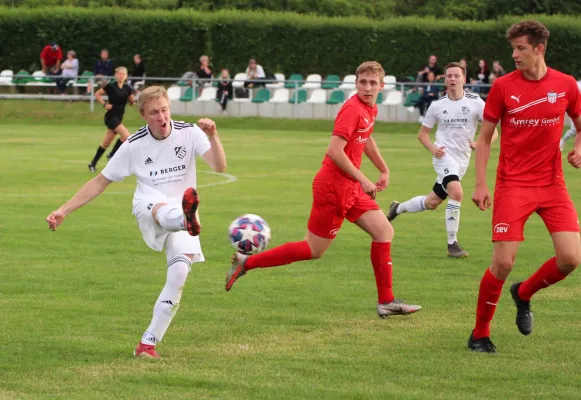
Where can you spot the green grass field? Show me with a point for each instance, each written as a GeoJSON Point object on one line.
{"type": "Point", "coordinates": [75, 302]}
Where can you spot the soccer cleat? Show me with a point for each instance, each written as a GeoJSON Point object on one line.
{"type": "Point", "coordinates": [190, 204]}
{"type": "Point", "coordinates": [145, 350]}
{"type": "Point", "coordinates": [392, 214]}
{"type": "Point", "coordinates": [524, 315]}
{"type": "Point", "coordinates": [482, 345]}
{"type": "Point", "coordinates": [92, 168]}
{"type": "Point", "coordinates": [396, 307]}
{"type": "Point", "coordinates": [236, 270]}
{"type": "Point", "coordinates": [455, 251]}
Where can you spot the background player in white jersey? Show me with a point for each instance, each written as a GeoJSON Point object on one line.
{"type": "Point", "coordinates": [457, 114]}
{"type": "Point", "coordinates": [572, 130]}
{"type": "Point", "coordinates": [162, 157]}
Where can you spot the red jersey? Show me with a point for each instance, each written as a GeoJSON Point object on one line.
{"type": "Point", "coordinates": [51, 56]}
{"type": "Point", "coordinates": [354, 123]}
{"type": "Point", "coordinates": [531, 114]}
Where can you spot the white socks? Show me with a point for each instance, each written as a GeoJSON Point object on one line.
{"type": "Point", "coordinates": [169, 300]}
{"type": "Point", "coordinates": [452, 220]}
{"type": "Point", "coordinates": [171, 218]}
{"type": "Point", "coordinates": [413, 205]}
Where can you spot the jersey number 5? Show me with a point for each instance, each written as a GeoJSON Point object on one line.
{"type": "Point", "coordinates": [446, 170]}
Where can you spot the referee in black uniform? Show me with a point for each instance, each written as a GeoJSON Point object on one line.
{"type": "Point", "coordinates": [119, 93]}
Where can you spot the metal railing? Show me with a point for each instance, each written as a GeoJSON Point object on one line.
{"type": "Point", "coordinates": [194, 82]}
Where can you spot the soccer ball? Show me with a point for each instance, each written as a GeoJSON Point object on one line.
{"type": "Point", "coordinates": [249, 234]}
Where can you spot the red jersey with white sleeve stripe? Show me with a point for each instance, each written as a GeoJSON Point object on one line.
{"type": "Point", "coordinates": [354, 123]}
{"type": "Point", "coordinates": [531, 114]}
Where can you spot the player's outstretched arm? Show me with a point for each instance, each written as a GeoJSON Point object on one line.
{"type": "Point", "coordinates": [481, 196]}
{"type": "Point", "coordinates": [574, 156]}
{"type": "Point", "coordinates": [336, 152]}
{"type": "Point", "coordinates": [215, 157]}
{"type": "Point", "coordinates": [88, 192]}
{"type": "Point", "coordinates": [372, 152]}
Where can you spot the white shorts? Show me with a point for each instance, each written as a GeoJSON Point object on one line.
{"type": "Point", "coordinates": [158, 238]}
{"type": "Point", "coordinates": [446, 166]}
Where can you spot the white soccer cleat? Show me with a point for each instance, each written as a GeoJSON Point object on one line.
{"type": "Point", "coordinates": [396, 307]}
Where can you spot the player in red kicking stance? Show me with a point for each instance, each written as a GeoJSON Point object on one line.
{"type": "Point", "coordinates": [341, 190]}
{"type": "Point", "coordinates": [530, 104]}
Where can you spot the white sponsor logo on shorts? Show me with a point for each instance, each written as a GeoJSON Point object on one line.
{"type": "Point", "coordinates": [334, 232]}
{"type": "Point", "coordinates": [501, 228]}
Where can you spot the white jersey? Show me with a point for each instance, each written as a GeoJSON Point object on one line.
{"type": "Point", "coordinates": [457, 123]}
{"type": "Point", "coordinates": [166, 166]}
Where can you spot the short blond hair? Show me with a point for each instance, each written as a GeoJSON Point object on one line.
{"type": "Point", "coordinates": [151, 93]}
{"type": "Point", "coordinates": [372, 67]}
{"type": "Point", "coordinates": [120, 69]}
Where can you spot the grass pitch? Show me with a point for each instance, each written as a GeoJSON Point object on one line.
{"type": "Point", "coordinates": [76, 301]}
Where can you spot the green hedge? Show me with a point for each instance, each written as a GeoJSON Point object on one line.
{"type": "Point", "coordinates": [171, 42]}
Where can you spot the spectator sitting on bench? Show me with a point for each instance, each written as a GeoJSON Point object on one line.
{"type": "Point", "coordinates": [70, 69]}
{"type": "Point", "coordinates": [103, 67]}
{"type": "Point", "coordinates": [254, 74]}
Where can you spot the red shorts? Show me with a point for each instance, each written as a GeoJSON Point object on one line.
{"type": "Point", "coordinates": [513, 205]}
{"type": "Point", "coordinates": [334, 199]}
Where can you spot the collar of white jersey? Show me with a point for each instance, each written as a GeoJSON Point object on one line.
{"type": "Point", "coordinates": [171, 122]}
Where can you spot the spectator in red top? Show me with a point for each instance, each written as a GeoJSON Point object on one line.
{"type": "Point", "coordinates": [50, 59]}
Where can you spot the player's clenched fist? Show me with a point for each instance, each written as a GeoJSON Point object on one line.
{"type": "Point", "coordinates": [481, 197]}
{"type": "Point", "coordinates": [55, 218]}
{"type": "Point", "coordinates": [208, 126]}
{"type": "Point", "coordinates": [574, 158]}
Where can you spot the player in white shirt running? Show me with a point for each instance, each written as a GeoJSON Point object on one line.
{"type": "Point", "coordinates": [572, 130]}
{"type": "Point", "coordinates": [457, 115]}
{"type": "Point", "coordinates": [162, 156]}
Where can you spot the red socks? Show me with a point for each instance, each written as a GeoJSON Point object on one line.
{"type": "Point", "coordinates": [545, 276]}
{"type": "Point", "coordinates": [382, 267]}
{"type": "Point", "coordinates": [281, 255]}
{"type": "Point", "coordinates": [490, 290]}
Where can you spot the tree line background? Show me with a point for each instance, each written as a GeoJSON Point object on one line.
{"type": "Point", "coordinates": [376, 9]}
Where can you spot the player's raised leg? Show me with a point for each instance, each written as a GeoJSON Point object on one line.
{"type": "Point", "coordinates": [311, 247]}
{"type": "Point", "coordinates": [381, 232]}
{"type": "Point", "coordinates": [455, 192]}
{"type": "Point", "coordinates": [166, 306]}
{"type": "Point", "coordinates": [503, 257]}
{"type": "Point", "coordinates": [174, 218]}
{"type": "Point", "coordinates": [414, 205]}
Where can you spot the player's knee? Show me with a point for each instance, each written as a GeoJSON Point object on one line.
{"type": "Point", "coordinates": [569, 262]}
{"type": "Point", "coordinates": [383, 232]}
{"type": "Point", "coordinates": [502, 267]}
{"type": "Point", "coordinates": [317, 253]}
{"type": "Point", "coordinates": [178, 269]}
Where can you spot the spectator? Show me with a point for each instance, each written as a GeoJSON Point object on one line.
{"type": "Point", "coordinates": [431, 66]}
{"type": "Point", "coordinates": [50, 59]}
{"type": "Point", "coordinates": [204, 72]}
{"type": "Point", "coordinates": [70, 70]}
{"type": "Point", "coordinates": [481, 77]}
{"type": "Point", "coordinates": [497, 71]}
{"type": "Point", "coordinates": [137, 72]}
{"type": "Point", "coordinates": [103, 67]}
{"type": "Point", "coordinates": [430, 94]}
{"type": "Point", "coordinates": [225, 90]}
{"type": "Point", "coordinates": [254, 73]}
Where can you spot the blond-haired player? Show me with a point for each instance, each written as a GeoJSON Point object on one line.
{"type": "Point", "coordinates": [162, 155]}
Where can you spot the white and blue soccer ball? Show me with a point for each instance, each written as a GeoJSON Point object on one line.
{"type": "Point", "coordinates": [249, 234]}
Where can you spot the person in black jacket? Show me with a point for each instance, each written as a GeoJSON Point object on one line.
{"type": "Point", "coordinates": [225, 90]}
{"type": "Point", "coordinates": [103, 67]}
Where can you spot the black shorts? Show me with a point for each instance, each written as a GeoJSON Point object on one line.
{"type": "Point", "coordinates": [113, 121]}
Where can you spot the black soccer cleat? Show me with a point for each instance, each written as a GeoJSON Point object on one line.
{"type": "Point", "coordinates": [456, 251]}
{"type": "Point", "coordinates": [524, 315]}
{"type": "Point", "coordinates": [482, 345]}
{"type": "Point", "coordinates": [392, 214]}
{"type": "Point", "coordinates": [92, 168]}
